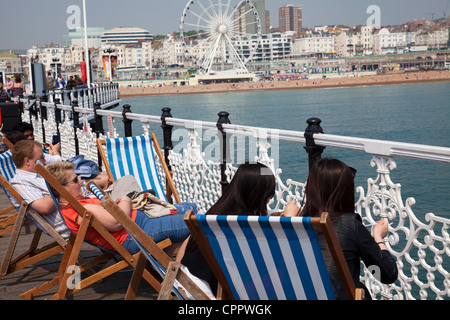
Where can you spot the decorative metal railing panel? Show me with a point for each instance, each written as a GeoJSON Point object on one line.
{"type": "Point", "coordinates": [422, 248]}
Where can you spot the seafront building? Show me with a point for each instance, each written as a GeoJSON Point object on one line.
{"type": "Point", "coordinates": [126, 35]}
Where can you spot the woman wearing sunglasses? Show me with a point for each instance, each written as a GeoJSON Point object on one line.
{"type": "Point", "coordinates": [170, 226]}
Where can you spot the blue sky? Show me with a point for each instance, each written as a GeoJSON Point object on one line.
{"type": "Point", "coordinates": [35, 22]}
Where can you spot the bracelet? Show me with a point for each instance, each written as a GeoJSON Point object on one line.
{"type": "Point", "coordinates": [380, 242]}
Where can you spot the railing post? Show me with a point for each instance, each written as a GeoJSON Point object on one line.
{"type": "Point", "coordinates": [98, 120]}
{"type": "Point", "coordinates": [98, 128]}
{"type": "Point", "coordinates": [58, 117]}
{"type": "Point", "coordinates": [43, 116]}
{"type": "Point", "coordinates": [167, 134]}
{"type": "Point", "coordinates": [314, 151]}
{"type": "Point", "coordinates": [223, 119]}
{"type": "Point", "coordinates": [127, 122]}
{"type": "Point", "coordinates": [76, 125]}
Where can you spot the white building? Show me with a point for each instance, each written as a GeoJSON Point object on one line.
{"type": "Point", "coordinates": [73, 55]}
{"type": "Point", "coordinates": [126, 35]}
{"type": "Point", "coordinates": [386, 42]}
{"type": "Point", "coordinates": [314, 43]}
{"type": "Point", "coordinates": [433, 40]}
{"type": "Point", "coordinates": [46, 56]}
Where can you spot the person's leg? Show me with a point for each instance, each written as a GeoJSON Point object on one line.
{"type": "Point", "coordinates": [171, 226]}
{"type": "Point", "coordinates": [185, 206]}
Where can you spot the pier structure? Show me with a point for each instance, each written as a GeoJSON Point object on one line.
{"type": "Point", "coordinates": [202, 154]}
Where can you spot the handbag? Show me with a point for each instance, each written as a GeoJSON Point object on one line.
{"type": "Point", "coordinates": [152, 206]}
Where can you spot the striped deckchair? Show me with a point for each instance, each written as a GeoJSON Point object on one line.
{"type": "Point", "coordinates": [275, 258]}
{"type": "Point", "coordinates": [136, 156]}
{"type": "Point", "coordinates": [168, 269]}
{"type": "Point", "coordinates": [7, 170]}
{"type": "Point", "coordinates": [7, 167]}
{"type": "Point", "coordinates": [74, 246]}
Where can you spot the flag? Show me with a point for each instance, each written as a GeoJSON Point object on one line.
{"type": "Point", "coordinates": [106, 68]}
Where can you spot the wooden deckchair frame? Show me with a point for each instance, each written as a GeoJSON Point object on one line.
{"type": "Point", "coordinates": [33, 254]}
{"type": "Point", "coordinates": [170, 185]}
{"type": "Point", "coordinates": [172, 267]}
{"type": "Point", "coordinates": [322, 224]}
{"type": "Point", "coordinates": [73, 248]}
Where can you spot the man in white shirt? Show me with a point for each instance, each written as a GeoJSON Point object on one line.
{"type": "Point", "coordinates": [32, 187]}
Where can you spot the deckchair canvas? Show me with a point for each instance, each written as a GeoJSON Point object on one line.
{"type": "Point", "coordinates": [136, 156]}
{"type": "Point", "coordinates": [277, 258]}
{"type": "Point", "coordinates": [72, 251]}
{"type": "Point", "coordinates": [168, 269]}
{"type": "Point", "coordinates": [7, 169]}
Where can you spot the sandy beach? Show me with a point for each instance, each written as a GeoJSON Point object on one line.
{"type": "Point", "coordinates": [345, 81]}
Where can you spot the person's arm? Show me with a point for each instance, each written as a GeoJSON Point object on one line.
{"type": "Point", "coordinates": [105, 218]}
{"type": "Point", "coordinates": [291, 209]}
{"type": "Point", "coordinates": [34, 193]}
{"type": "Point", "coordinates": [44, 205]}
{"type": "Point", "coordinates": [380, 231]}
{"type": "Point", "coordinates": [374, 252]}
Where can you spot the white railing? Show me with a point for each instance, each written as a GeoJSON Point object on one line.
{"type": "Point", "coordinates": [422, 248]}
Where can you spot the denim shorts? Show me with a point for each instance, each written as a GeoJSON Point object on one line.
{"type": "Point", "coordinates": [172, 226]}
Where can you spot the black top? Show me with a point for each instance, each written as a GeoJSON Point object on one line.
{"type": "Point", "coordinates": [358, 244]}
{"type": "Point", "coordinates": [197, 265]}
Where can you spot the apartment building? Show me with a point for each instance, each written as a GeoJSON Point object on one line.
{"type": "Point", "coordinates": [245, 20]}
{"type": "Point", "coordinates": [314, 43]}
{"type": "Point", "coordinates": [170, 51]}
{"type": "Point", "coordinates": [386, 42]}
{"type": "Point", "coordinates": [434, 40]}
{"type": "Point", "coordinates": [47, 54]}
{"type": "Point", "coordinates": [290, 18]}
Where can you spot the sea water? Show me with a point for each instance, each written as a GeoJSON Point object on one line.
{"type": "Point", "coordinates": [413, 113]}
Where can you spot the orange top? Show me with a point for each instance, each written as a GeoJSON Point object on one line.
{"type": "Point", "coordinates": [70, 217]}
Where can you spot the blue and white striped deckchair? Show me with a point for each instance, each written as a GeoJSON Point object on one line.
{"type": "Point", "coordinates": [151, 252]}
{"type": "Point", "coordinates": [7, 167]}
{"type": "Point", "coordinates": [7, 170]}
{"type": "Point", "coordinates": [267, 258]}
{"type": "Point", "coordinates": [136, 156]}
{"type": "Point", "coordinates": [72, 252]}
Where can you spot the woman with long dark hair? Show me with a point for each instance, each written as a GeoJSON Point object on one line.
{"type": "Point", "coordinates": [250, 190]}
{"type": "Point", "coordinates": [330, 188]}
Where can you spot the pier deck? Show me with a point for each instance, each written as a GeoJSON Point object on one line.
{"type": "Point", "coordinates": [13, 285]}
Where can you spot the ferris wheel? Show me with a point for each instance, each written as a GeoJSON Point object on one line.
{"type": "Point", "coordinates": [220, 35]}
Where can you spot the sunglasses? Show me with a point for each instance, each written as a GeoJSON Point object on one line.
{"type": "Point", "coordinates": [74, 180]}
{"type": "Point", "coordinates": [353, 170]}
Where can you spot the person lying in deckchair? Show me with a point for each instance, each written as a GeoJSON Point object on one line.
{"type": "Point", "coordinates": [170, 226]}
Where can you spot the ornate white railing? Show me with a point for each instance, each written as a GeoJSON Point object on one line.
{"type": "Point", "coordinates": [422, 248]}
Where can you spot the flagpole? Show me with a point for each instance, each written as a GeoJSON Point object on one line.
{"type": "Point", "coordinates": [86, 49]}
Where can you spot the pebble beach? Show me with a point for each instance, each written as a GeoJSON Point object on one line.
{"type": "Point", "coordinates": [343, 81]}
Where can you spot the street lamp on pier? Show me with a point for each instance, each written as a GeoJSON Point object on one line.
{"type": "Point", "coordinates": [109, 49]}
{"type": "Point", "coordinates": [55, 60]}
